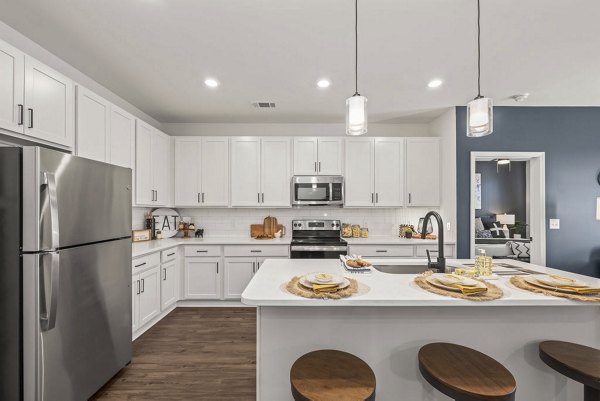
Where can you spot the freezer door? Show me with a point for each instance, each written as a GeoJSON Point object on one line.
{"type": "Point", "coordinates": [76, 320]}
{"type": "Point", "coordinates": [69, 200]}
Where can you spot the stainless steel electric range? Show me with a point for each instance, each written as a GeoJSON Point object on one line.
{"type": "Point", "coordinates": [317, 239]}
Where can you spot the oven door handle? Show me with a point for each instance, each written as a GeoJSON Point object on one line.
{"type": "Point", "coordinates": [319, 248]}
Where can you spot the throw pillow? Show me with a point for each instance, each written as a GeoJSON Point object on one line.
{"type": "Point", "coordinates": [520, 249]}
{"type": "Point", "coordinates": [483, 234]}
{"type": "Point", "coordinates": [479, 224]}
{"type": "Point", "coordinates": [497, 231]}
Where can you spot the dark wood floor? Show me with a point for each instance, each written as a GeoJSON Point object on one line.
{"type": "Point", "coordinates": [192, 354]}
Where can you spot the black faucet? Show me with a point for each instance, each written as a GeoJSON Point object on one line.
{"type": "Point", "coordinates": [440, 265]}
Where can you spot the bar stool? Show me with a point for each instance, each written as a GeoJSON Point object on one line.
{"type": "Point", "coordinates": [464, 374]}
{"type": "Point", "coordinates": [329, 375]}
{"type": "Point", "coordinates": [575, 361]}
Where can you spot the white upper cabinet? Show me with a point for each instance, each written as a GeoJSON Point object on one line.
{"type": "Point", "coordinates": [152, 166]}
{"type": "Point", "coordinates": [161, 167]}
{"type": "Point", "coordinates": [92, 126]}
{"type": "Point", "coordinates": [215, 171]}
{"type": "Point", "coordinates": [318, 156]}
{"type": "Point", "coordinates": [122, 138]}
{"type": "Point", "coordinates": [245, 171]}
{"type": "Point", "coordinates": [188, 186]}
{"type": "Point", "coordinates": [330, 156]}
{"type": "Point", "coordinates": [12, 80]}
{"type": "Point", "coordinates": [49, 100]}
{"type": "Point", "coordinates": [423, 172]}
{"type": "Point", "coordinates": [260, 172]}
{"type": "Point", "coordinates": [305, 156]}
{"type": "Point", "coordinates": [276, 172]}
{"type": "Point", "coordinates": [389, 172]}
{"type": "Point", "coordinates": [374, 172]}
{"type": "Point", "coordinates": [359, 182]}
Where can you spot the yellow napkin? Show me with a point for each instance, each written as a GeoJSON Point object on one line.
{"type": "Point", "coordinates": [468, 290]}
{"type": "Point", "coordinates": [580, 290]}
{"type": "Point", "coordinates": [317, 288]}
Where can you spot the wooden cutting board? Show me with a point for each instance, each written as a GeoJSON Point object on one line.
{"type": "Point", "coordinates": [259, 229]}
{"type": "Point", "coordinates": [270, 224]}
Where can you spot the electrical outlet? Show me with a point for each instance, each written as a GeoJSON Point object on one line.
{"type": "Point", "coordinates": [448, 226]}
{"type": "Point", "coordinates": [555, 224]}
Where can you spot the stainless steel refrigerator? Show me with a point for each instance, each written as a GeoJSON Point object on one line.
{"type": "Point", "coordinates": [65, 274]}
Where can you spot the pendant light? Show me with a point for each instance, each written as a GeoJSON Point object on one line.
{"type": "Point", "coordinates": [356, 105]}
{"type": "Point", "coordinates": [480, 112]}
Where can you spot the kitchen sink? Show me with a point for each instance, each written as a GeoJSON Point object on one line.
{"type": "Point", "coordinates": [403, 269]}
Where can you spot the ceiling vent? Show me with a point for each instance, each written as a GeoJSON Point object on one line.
{"type": "Point", "coordinates": [264, 105]}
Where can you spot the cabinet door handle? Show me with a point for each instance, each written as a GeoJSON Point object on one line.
{"type": "Point", "coordinates": [258, 199]}
{"type": "Point", "coordinates": [263, 198]}
{"type": "Point", "coordinates": [164, 274]}
{"type": "Point", "coordinates": [253, 267]}
{"type": "Point", "coordinates": [315, 167]}
{"type": "Point", "coordinates": [143, 286]}
{"type": "Point", "coordinates": [409, 197]}
{"type": "Point", "coordinates": [376, 197]}
{"type": "Point", "coordinates": [372, 197]}
{"type": "Point", "coordinates": [319, 167]}
{"type": "Point", "coordinates": [138, 287]}
{"type": "Point", "coordinates": [140, 265]}
{"type": "Point", "coordinates": [217, 267]}
{"type": "Point", "coordinates": [20, 120]}
{"type": "Point", "coordinates": [199, 197]}
{"type": "Point", "coordinates": [202, 197]}
{"type": "Point", "coordinates": [30, 118]}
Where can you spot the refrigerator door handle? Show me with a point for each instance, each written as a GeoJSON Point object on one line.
{"type": "Point", "coordinates": [48, 312]}
{"type": "Point", "coordinates": [50, 182]}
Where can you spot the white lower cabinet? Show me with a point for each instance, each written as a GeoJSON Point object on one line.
{"type": "Point", "coordinates": [238, 273]}
{"type": "Point", "coordinates": [146, 297]}
{"type": "Point", "coordinates": [169, 284]}
{"type": "Point", "coordinates": [202, 278]}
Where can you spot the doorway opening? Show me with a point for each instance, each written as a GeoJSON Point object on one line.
{"type": "Point", "coordinates": [508, 205]}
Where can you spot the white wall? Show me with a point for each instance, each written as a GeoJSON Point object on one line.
{"type": "Point", "coordinates": [209, 129]}
{"type": "Point", "coordinates": [34, 50]}
{"type": "Point", "coordinates": [444, 127]}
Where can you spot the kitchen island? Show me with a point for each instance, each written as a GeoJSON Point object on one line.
{"type": "Point", "coordinates": [388, 324]}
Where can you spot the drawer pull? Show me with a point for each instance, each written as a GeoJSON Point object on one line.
{"type": "Point", "coordinates": [255, 251]}
{"type": "Point", "coordinates": [205, 251]}
{"type": "Point", "coordinates": [140, 265]}
{"type": "Point", "coordinates": [381, 251]}
{"type": "Point", "coordinates": [170, 254]}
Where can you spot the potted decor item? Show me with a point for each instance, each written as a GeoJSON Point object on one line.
{"type": "Point", "coordinates": [408, 233]}
{"type": "Point", "coordinates": [518, 230]}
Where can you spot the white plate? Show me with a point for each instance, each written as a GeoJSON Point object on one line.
{"type": "Point", "coordinates": [308, 284]}
{"type": "Point", "coordinates": [435, 282]}
{"type": "Point", "coordinates": [556, 281]}
{"type": "Point", "coordinates": [335, 279]}
{"type": "Point", "coordinates": [447, 279]}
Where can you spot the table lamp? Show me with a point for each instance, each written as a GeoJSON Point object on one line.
{"type": "Point", "coordinates": [505, 219]}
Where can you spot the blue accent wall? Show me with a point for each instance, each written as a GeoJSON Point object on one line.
{"type": "Point", "coordinates": [570, 137]}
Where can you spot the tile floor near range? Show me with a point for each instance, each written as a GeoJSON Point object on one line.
{"type": "Point", "coordinates": [200, 354]}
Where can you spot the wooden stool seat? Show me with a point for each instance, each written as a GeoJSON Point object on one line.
{"type": "Point", "coordinates": [465, 374]}
{"type": "Point", "coordinates": [576, 362]}
{"type": "Point", "coordinates": [329, 375]}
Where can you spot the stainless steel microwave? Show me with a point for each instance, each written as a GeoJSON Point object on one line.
{"type": "Point", "coordinates": [319, 190]}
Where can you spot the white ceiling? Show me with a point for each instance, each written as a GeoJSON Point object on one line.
{"type": "Point", "coordinates": [157, 53]}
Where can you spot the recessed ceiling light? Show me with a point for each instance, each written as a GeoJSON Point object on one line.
{"type": "Point", "coordinates": [435, 83]}
{"type": "Point", "coordinates": [211, 83]}
{"type": "Point", "coordinates": [323, 83]}
{"type": "Point", "coordinates": [520, 97]}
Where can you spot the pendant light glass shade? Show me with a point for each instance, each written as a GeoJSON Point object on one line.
{"type": "Point", "coordinates": [480, 117]}
{"type": "Point", "coordinates": [356, 115]}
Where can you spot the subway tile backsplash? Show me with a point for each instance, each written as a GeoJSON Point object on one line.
{"type": "Point", "coordinates": [237, 221]}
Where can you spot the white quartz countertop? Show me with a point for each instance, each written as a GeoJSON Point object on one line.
{"type": "Point", "coordinates": [267, 287]}
{"type": "Point", "coordinates": [144, 248]}
{"type": "Point", "coordinates": [392, 240]}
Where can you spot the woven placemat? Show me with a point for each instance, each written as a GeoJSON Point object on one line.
{"type": "Point", "coordinates": [520, 282]}
{"type": "Point", "coordinates": [491, 294]}
{"type": "Point", "coordinates": [294, 287]}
